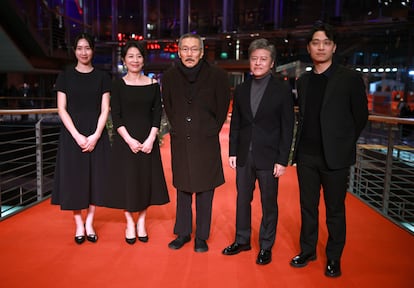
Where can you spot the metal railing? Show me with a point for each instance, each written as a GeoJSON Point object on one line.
{"type": "Point", "coordinates": [27, 158]}
{"type": "Point", "coordinates": [51, 26]}
{"type": "Point", "coordinates": [383, 176]}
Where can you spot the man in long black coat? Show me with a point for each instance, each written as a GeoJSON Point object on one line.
{"type": "Point", "coordinates": [196, 98]}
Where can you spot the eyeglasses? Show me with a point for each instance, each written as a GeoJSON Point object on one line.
{"type": "Point", "coordinates": [188, 49]}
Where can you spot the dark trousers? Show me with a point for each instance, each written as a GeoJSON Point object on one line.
{"type": "Point", "coordinates": [184, 215]}
{"type": "Point", "coordinates": [245, 181]}
{"type": "Point", "coordinates": [312, 175]}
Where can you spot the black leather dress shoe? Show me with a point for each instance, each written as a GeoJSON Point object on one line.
{"type": "Point", "coordinates": [333, 268]}
{"type": "Point", "coordinates": [79, 239]}
{"type": "Point", "coordinates": [264, 257]}
{"type": "Point", "coordinates": [143, 238]}
{"type": "Point", "coordinates": [179, 242]}
{"type": "Point", "coordinates": [92, 238]}
{"type": "Point", "coordinates": [302, 260]}
{"type": "Point", "coordinates": [236, 248]}
{"type": "Point", "coordinates": [200, 245]}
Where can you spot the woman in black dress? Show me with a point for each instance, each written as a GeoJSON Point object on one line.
{"type": "Point", "coordinates": [83, 94]}
{"type": "Point", "coordinates": [137, 177]}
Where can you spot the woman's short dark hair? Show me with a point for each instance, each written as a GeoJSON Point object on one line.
{"type": "Point", "coordinates": [325, 27]}
{"type": "Point", "coordinates": [140, 45]}
{"type": "Point", "coordinates": [262, 44]}
{"type": "Point", "coordinates": [87, 37]}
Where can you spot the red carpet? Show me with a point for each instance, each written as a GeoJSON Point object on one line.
{"type": "Point", "coordinates": [37, 247]}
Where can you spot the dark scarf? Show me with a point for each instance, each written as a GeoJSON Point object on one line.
{"type": "Point", "coordinates": [190, 74]}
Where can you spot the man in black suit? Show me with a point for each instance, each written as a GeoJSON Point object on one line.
{"type": "Point", "coordinates": [332, 113]}
{"type": "Point", "coordinates": [261, 132]}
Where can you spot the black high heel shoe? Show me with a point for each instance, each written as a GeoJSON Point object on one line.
{"type": "Point", "coordinates": [131, 241]}
{"type": "Point", "coordinates": [143, 238]}
{"type": "Point", "coordinates": [92, 238]}
{"type": "Point", "coordinates": [80, 239]}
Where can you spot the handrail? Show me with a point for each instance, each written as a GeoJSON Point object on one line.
{"type": "Point", "coordinates": [375, 118]}
{"type": "Point", "coordinates": [28, 111]}
{"type": "Point", "coordinates": [391, 120]}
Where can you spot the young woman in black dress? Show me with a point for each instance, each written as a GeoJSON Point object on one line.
{"type": "Point", "coordinates": [83, 94]}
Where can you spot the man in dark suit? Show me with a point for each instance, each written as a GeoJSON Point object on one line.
{"type": "Point", "coordinates": [261, 132]}
{"type": "Point", "coordinates": [332, 113]}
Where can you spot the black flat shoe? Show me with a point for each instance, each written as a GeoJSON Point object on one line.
{"type": "Point", "coordinates": [143, 238]}
{"type": "Point", "coordinates": [79, 239]}
{"type": "Point", "coordinates": [302, 260]}
{"type": "Point", "coordinates": [92, 238]}
{"type": "Point", "coordinates": [264, 257]}
{"type": "Point", "coordinates": [200, 245]}
{"type": "Point", "coordinates": [333, 268]}
{"type": "Point", "coordinates": [130, 241]}
{"type": "Point", "coordinates": [179, 242]}
{"type": "Point", "coordinates": [236, 248]}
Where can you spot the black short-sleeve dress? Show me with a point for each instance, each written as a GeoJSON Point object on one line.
{"type": "Point", "coordinates": [80, 176]}
{"type": "Point", "coordinates": [136, 180]}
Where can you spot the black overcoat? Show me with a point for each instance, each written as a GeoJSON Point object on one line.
{"type": "Point", "coordinates": [196, 113]}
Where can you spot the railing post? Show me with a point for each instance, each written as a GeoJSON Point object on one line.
{"type": "Point", "coordinates": [39, 159]}
{"type": "Point", "coordinates": [351, 184]}
{"type": "Point", "coordinates": [354, 184]}
{"type": "Point", "coordinates": [388, 170]}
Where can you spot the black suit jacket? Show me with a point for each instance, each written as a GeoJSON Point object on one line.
{"type": "Point", "coordinates": [344, 114]}
{"type": "Point", "coordinates": [270, 131]}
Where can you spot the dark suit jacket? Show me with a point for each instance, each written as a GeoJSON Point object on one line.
{"type": "Point", "coordinates": [270, 131]}
{"type": "Point", "coordinates": [344, 114]}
